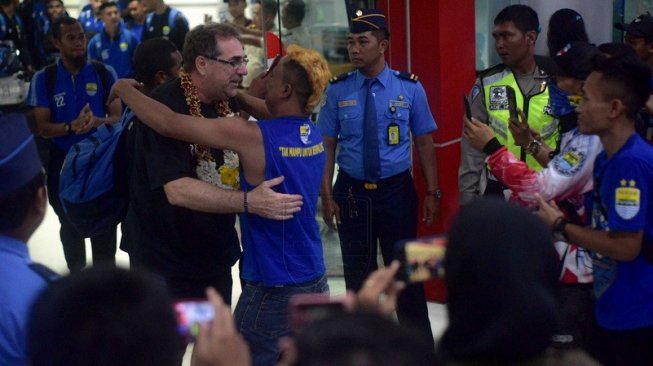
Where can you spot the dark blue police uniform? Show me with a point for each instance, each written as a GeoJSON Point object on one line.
{"type": "Point", "coordinates": [384, 209]}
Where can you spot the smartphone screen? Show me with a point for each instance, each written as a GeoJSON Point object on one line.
{"type": "Point", "coordinates": [468, 108]}
{"type": "Point", "coordinates": [190, 314]}
{"type": "Point", "coordinates": [422, 259]}
{"type": "Point", "coordinates": [512, 102]}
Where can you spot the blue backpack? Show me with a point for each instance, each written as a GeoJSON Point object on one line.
{"type": "Point", "coordinates": [93, 180]}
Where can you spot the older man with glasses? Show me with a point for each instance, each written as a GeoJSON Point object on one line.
{"type": "Point", "coordinates": [184, 196]}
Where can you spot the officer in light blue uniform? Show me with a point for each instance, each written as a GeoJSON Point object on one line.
{"type": "Point", "coordinates": [370, 114]}
{"type": "Point", "coordinates": [23, 206]}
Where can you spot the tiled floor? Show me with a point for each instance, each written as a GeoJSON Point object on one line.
{"type": "Point", "coordinates": [45, 248]}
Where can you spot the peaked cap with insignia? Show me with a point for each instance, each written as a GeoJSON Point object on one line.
{"type": "Point", "coordinates": [367, 20]}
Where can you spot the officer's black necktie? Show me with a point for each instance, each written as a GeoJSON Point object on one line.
{"type": "Point", "coordinates": [371, 164]}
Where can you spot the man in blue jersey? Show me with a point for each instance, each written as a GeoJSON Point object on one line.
{"type": "Point", "coordinates": [280, 258]}
{"type": "Point", "coordinates": [67, 114]}
{"type": "Point", "coordinates": [136, 20]}
{"type": "Point", "coordinates": [115, 45]}
{"type": "Point", "coordinates": [164, 21]}
{"type": "Point", "coordinates": [621, 237]}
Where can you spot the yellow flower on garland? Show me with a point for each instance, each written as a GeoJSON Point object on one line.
{"type": "Point", "coordinates": [229, 176]}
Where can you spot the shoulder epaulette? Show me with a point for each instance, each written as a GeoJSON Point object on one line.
{"type": "Point", "coordinates": [491, 70]}
{"type": "Point", "coordinates": [340, 77]}
{"type": "Point", "coordinates": [408, 76]}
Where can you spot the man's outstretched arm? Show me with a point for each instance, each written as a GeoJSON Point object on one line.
{"type": "Point", "coordinates": [197, 195]}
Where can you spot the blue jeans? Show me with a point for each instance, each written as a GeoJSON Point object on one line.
{"type": "Point", "coordinates": [262, 316]}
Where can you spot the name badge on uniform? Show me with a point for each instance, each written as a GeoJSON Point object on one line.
{"type": "Point", "coordinates": [393, 134]}
{"type": "Point", "coordinates": [498, 98]}
{"type": "Point", "coordinates": [347, 103]}
{"type": "Point", "coordinates": [398, 103]}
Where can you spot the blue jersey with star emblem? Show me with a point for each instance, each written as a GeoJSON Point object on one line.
{"type": "Point", "coordinates": [624, 290]}
{"type": "Point", "coordinates": [287, 252]}
{"type": "Point", "coordinates": [117, 52]}
{"type": "Point", "coordinates": [70, 95]}
{"type": "Point", "coordinates": [398, 100]}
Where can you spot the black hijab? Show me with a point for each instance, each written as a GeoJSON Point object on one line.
{"type": "Point", "coordinates": [500, 271]}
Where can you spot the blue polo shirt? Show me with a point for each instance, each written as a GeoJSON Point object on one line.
{"type": "Point", "coordinates": [624, 290]}
{"type": "Point", "coordinates": [70, 95]}
{"type": "Point", "coordinates": [117, 52]}
{"type": "Point", "coordinates": [399, 101]}
{"type": "Point", "coordinates": [19, 287]}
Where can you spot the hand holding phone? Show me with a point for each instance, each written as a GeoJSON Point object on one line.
{"type": "Point", "coordinates": [190, 314]}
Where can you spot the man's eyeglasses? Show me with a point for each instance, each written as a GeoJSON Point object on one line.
{"type": "Point", "coordinates": [235, 64]}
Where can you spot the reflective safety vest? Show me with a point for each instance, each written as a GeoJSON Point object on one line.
{"type": "Point", "coordinates": [536, 107]}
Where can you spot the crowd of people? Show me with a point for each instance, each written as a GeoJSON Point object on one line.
{"type": "Point", "coordinates": [214, 130]}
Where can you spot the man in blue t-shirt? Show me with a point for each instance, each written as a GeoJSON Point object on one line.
{"type": "Point", "coordinates": [67, 114]}
{"type": "Point", "coordinates": [621, 237]}
{"type": "Point", "coordinates": [280, 258]}
{"type": "Point", "coordinates": [115, 45]}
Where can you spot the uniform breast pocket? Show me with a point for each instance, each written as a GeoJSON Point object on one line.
{"type": "Point", "coordinates": [351, 120]}
{"type": "Point", "coordinates": [398, 127]}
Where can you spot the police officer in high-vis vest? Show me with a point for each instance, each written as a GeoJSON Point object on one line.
{"type": "Point", "coordinates": [530, 137]}
{"type": "Point", "coordinates": [370, 114]}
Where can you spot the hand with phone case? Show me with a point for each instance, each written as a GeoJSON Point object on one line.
{"type": "Point", "coordinates": [219, 343]}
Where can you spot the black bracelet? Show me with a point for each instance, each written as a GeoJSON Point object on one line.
{"type": "Point", "coordinates": [559, 226]}
{"type": "Point", "coordinates": [245, 202]}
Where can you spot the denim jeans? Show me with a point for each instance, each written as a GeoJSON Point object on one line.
{"type": "Point", "coordinates": [262, 316]}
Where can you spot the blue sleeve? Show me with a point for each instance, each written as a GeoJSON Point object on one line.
{"type": "Point", "coordinates": [113, 76]}
{"type": "Point", "coordinates": [327, 121]}
{"type": "Point", "coordinates": [421, 118]}
{"type": "Point", "coordinates": [38, 95]}
{"type": "Point", "coordinates": [626, 196]}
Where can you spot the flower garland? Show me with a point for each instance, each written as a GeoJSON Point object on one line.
{"type": "Point", "coordinates": [226, 176]}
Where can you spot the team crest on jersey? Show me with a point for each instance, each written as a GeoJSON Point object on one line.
{"type": "Point", "coordinates": [498, 98]}
{"type": "Point", "coordinates": [570, 162]}
{"type": "Point", "coordinates": [91, 89]}
{"type": "Point", "coordinates": [627, 199]}
{"type": "Point", "coordinates": [305, 133]}
{"type": "Point", "coordinates": [166, 30]}
{"type": "Point", "coordinates": [123, 46]}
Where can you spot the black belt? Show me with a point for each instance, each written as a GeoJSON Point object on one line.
{"type": "Point", "coordinates": [381, 183]}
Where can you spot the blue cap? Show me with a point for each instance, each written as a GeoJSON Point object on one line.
{"type": "Point", "coordinates": [367, 20]}
{"type": "Point", "coordinates": [19, 158]}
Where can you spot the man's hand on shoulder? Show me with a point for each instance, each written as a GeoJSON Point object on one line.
{"type": "Point", "coordinates": [265, 202]}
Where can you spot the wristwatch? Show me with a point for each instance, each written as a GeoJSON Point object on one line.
{"type": "Point", "coordinates": [435, 193]}
{"type": "Point", "coordinates": [67, 127]}
{"type": "Point", "coordinates": [533, 147]}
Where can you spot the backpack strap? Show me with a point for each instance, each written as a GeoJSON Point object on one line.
{"type": "Point", "coordinates": [172, 17]}
{"type": "Point", "coordinates": [102, 71]}
{"type": "Point", "coordinates": [50, 79]}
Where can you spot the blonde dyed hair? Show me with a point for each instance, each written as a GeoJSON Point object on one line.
{"type": "Point", "coordinates": [316, 68]}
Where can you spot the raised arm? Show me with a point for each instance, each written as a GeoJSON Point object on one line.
{"type": "Point", "coordinates": [232, 133]}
